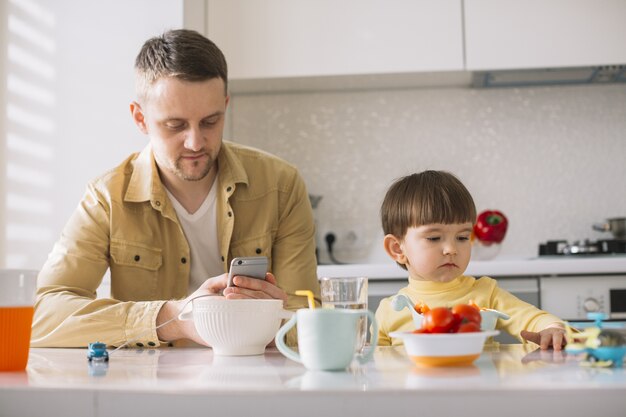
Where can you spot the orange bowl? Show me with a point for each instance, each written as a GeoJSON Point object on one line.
{"type": "Point", "coordinates": [444, 349]}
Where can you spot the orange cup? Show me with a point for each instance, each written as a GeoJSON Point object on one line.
{"type": "Point", "coordinates": [17, 299]}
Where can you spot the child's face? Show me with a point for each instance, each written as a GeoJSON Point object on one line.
{"type": "Point", "coordinates": [437, 252]}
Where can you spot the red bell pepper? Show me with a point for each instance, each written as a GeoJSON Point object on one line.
{"type": "Point", "coordinates": [491, 226]}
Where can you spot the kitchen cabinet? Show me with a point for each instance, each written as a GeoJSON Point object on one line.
{"type": "Point", "coordinates": [284, 38]}
{"type": "Point", "coordinates": [286, 45]}
{"type": "Point", "coordinates": [274, 45]}
{"type": "Point", "coordinates": [519, 34]}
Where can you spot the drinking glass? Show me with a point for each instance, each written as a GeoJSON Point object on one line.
{"type": "Point", "coordinates": [347, 293]}
{"type": "Point", "coordinates": [17, 298]}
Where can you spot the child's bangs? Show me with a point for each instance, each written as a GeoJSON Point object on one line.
{"type": "Point", "coordinates": [440, 205]}
{"type": "Point", "coordinates": [429, 197]}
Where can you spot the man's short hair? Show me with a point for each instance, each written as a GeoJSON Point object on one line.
{"type": "Point", "coordinates": [181, 53]}
{"type": "Point", "coordinates": [426, 198]}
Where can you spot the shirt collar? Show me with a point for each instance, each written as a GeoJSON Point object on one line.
{"type": "Point", "coordinates": [433, 286]}
{"type": "Point", "coordinates": [145, 183]}
{"type": "Point", "coordinates": [231, 169]}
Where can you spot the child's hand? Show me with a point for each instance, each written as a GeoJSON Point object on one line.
{"type": "Point", "coordinates": [549, 337]}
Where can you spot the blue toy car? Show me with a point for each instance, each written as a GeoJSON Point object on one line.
{"type": "Point", "coordinates": [97, 351]}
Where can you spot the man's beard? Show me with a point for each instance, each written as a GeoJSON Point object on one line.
{"type": "Point", "coordinates": [180, 172]}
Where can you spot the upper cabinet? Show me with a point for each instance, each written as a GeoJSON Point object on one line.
{"type": "Point", "coordinates": [317, 44]}
{"type": "Point", "coordinates": [518, 34]}
{"type": "Point", "coordinates": [298, 38]}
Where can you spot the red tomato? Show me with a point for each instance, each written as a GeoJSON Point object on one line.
{"type": "Point", "coordinates": [466, 313]}
{"type": "Point", "coordinates": [421, 307]}
{"type": "Point", "coordinates": [469, 327]}
{"type": "Point", "coordinates": [438, 320]}
{"type": "Point", "coordinates": [420, 331]}
{"type": "Point", "coordinates": [455, 325]}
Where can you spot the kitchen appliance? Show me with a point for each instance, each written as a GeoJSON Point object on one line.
{"type": "Point", "coordinates": [549, 76]}
{"type": "Point", "coordinates": [572, 297]}
{"type": "Point", "coordinates": [583, 247]}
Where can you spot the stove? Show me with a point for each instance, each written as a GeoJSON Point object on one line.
{"type": "Point", "coordinates": [582, 247]}
{"type": "Point", "coordinates": [573, 297]}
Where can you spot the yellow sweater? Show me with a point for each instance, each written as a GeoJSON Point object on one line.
{"type": "Point", "coordinates": [484, 292]}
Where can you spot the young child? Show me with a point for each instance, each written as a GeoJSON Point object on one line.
{"type": "Point", "coordinates": [427, 219]}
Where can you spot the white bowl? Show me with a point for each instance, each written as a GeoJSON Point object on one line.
{"type": "Point", "coordinates": [444, 349]}
{"type": "Point", "coordinates": [238, 327]}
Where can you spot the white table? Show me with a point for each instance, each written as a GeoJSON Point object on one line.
{"type": "Point", "coordinates": [509, 380]}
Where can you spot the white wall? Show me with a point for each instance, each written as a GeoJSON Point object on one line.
{"type": "Point", "coordinates": [553, 159]}
{"type": "Point", "coordinates": [71, 66]}
{"type": "Point", "coordinates": [550, 158]}
{"type": "Point", "coordinates": [3, 66]}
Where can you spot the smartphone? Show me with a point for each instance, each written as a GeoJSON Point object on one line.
{"type": "Point", "coordinates": [255, 267]}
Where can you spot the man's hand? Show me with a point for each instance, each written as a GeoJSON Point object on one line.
{"type": "Point", "coordinates": [185, 329]}
{"type": "Point", "coordinates": [548, 337]}
{"type": "Point", "coordinates": [247, 287]}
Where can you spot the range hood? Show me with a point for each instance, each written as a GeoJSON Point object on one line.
{"type": "Point", "coordinates": [549, 76]}
{"type": "Point", "coordinates": [434, 79]}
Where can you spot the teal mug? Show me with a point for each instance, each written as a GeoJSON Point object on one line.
{"type": "Point", "coordinates": [327, 339]}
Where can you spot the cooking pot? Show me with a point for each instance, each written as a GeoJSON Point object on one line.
{"type": "Point", "coordinates": [616, 225]}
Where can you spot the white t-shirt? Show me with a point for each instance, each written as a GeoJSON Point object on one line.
{"type": "Point", "coordinates": [201, 232]}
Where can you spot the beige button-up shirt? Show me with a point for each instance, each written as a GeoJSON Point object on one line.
{"type": "Point", "coordinates": [125, 222]}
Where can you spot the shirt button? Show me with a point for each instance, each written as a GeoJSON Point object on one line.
{"type": "Point", "coordinates": [157, 203]}
{"type": "Point", "coordinates": [229, 188]}
{"type": "Point", "coordinates": [258, 250]}
{"type": "Point", "coordinates": [151, 344]}
{"type": "Point", "coordinates": [137, 258]}
{"type": "Point", "coordinates": [230, 214]}
{"type": "Point", "coordinates": [139, 344]}
{"type": "Point", "coordinates": [183, 260]}
{"type": "Point", "coordinates": [222, 259]}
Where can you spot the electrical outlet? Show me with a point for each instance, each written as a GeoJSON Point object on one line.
{"type": "Point", "coordinates": [350, 238]}
{"type": "Point", "coordinates": [330, 238]}
{"type": "Point", "coordinates": [347, 245]}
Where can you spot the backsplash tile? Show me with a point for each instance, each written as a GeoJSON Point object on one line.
{"type": "Point", "coordinates": [553, 159]}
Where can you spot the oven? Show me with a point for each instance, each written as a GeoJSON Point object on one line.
{"type": "Point", "coordinates": [572, 297]}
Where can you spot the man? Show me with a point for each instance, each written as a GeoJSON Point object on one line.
{"type": "Point", "coordinates": [170, 217]}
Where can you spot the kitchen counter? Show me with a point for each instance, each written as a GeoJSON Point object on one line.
{"type": "Point", "coordinates": [511, 380]}
{"type": "Point", "coordinates": [544, 266]}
